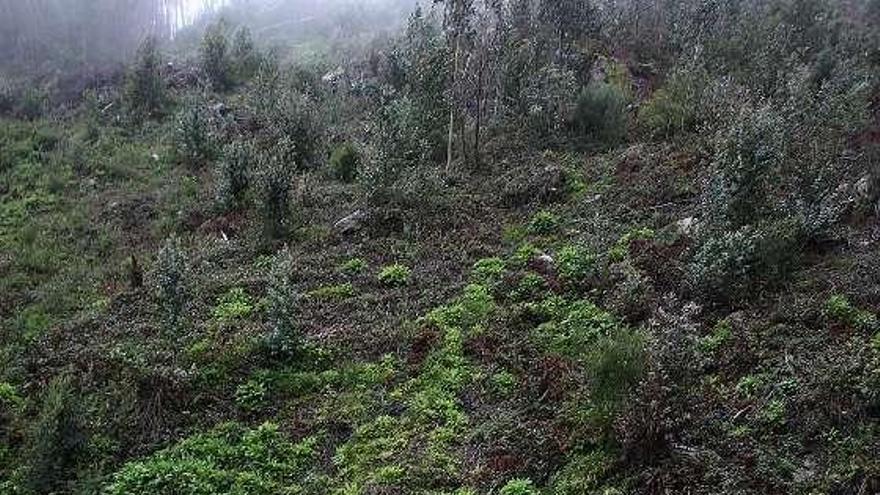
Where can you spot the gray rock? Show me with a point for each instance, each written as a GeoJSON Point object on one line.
{"type": "Point", "coordinates": [352, 223]}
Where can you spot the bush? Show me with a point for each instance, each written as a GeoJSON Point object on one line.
{"type": "Point", "coordinates": [245, 57]}
{"type": "Point", "coordinates": [519, 487]}
{"type": "Point", "coordinates": [395, 275]}
{"type": "Point", "coordinates": [353, 266]}
{"type": "Point", "coordinates": [728, 266]}
{"type": "Point", "coordinates": [575, 264]}
{"type": "Point", "coordinates": [145, 90]}
{"type": "Point", "coordinates": [273, 193]}
{"type": "Point", "coordinates": [675, 108]}
{"type": "Point", "coordinates": [233, 305]}
{"type": "Point", "coordinates": [344, 163]}
{"type": "Point", "coordinates": [55, 441]}
{"type": "Point", "coordinates": [230, 459]}
{"type": "Point", "coordinates": [233, 174]}
{"type": "Point", "coordinates": [600, 116]}
{"type": "Point", "coordinates": [546, 102]}
{"type": "Point", "coordinates": [544, 223]}
{"type": "Point", "coordinates": [283, 339]}
{"type": "Point", "coordinates": [839, 310]}
{"type": "Point", "coordinates": [194, 137]}
{"type": "Point", "coordinates": [214, 57]}
{"type": "Point", "coordinates": [171, 283]}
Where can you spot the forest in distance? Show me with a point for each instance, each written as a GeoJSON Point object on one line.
{"type": "Point", "coordinates": [439, 247]}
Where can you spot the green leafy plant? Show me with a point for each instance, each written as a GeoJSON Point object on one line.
{"type": "Point", "coordinates": [600, 116]}
{"type": "Point", "coordinates": [344, 162]}
{"type": "Point", "coordinates": [233, 173]}
{"type": "Point", "coordinates": [334, 292]}
{"type": "Point", "coordinates": [544, 223]}
{"type": "Point", "coordinates": [841, 311]}
{"type": "Point", "coordinates": [214, 57]}
{"type": "Point", "coordinates": [283, 339]}
{"type": "Point", "coordinates": [230, 459]}
{"type": "Point", "coordinates": [396, 275]}
{"type": "Point", "coordinates": [488, 271]}
{"type": "Point", "coordinates": [233, 305]}
{"type": "Point", "coordinates": [353, 266]}
{"type": "Point", "coordinates": [171, 278]}
{"type": "Point", "coordinates": [145, 90]}
{"type": "Point", "coordinates": [519, 486]}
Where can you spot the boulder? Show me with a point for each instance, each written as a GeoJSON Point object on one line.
{"type": "Point", "coordinates": [352, 223]}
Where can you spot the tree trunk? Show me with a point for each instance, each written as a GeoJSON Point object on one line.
{"type": "Point", "coordinates": [449, 144]}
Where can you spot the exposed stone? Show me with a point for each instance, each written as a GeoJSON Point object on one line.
{"type": "Point", "coordinates": [352, 223]}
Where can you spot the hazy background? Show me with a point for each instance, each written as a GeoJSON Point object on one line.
{"type": "Point", "coordinates": [40, 36]}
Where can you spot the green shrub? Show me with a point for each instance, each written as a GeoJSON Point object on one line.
{"type": "Point", "coordinates": [233, 173]}
{"type": "Point", "coordinates": [575, 264]}
{"type": "Point", "coordinates": [145, 89]}
{"type": "Point", "coordinates": [395, 275]}
{"type": "Point", "coordinates": [519, 487]}
{"type": "Point", "coordinates": [283, 339]}
{"type": "Point", "coordinates": [675, 108]}
{"type": "Point", "coordinates": [245, 57]}
{"type": "Point", "coordinates": [344, 163]}
{"type": "Point", "coordinates": [729, 265]}
{"type": "Point", "coordinates": [251, 395]}
{"type": "Point", "coordinates": [488, 271]}
{"type": "Point", "coordinates": [576, 329]}
{"type": "Point", "coordinates": [273, 193]}
{"type": "Point", "coordinates": [337, 292]}
{"type": "Point", "coordinates": [194, 139]}
{"type": "Point", "coordinates": [720, 335]}
{"type": "Point", "coordinates": [543, 223]}
{"type": "Point", "coordinates": [841, 311]}
{"type": "Point", "coordinates": [353, 266]}
{"type": "Point", "coordinates": [214, 57]}
{"type": "Point", "coordinates": [600, 116]}
{"type": "Point", "coordinates": [55, 440]}
{"type": "Point", "coordinates": [227, 460]}
{"type": "Point", "coordinates": [233, 305]}
{"type": "Point", "coordinates": [170, 273]}
{"type": "Point", "coordinates": [582, 474]}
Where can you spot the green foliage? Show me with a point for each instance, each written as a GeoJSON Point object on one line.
{"type": "Point", "coordinates": [576, 329]}
{"type": "Point", "coordinates": [575, 263]}
{"type": "Point", "coordinates": [55, 440]}
{"type": "Point", "coordinates": [283, 339]}
{"type": "Point", "coordinates": [230, 460]}
{"type": "Point", "coordinates": [233, 173]}
{"type": "Point", "coordinates": [582, 474]}
{"type": "Point", "coordinates": [620, 250]}
{"type": "Point", "coordinates": [841, 311]}
{"type": "Point", "coordinates": [214, 57]}
{"type": "Point", "coordinates": [251, 395]}
{"type": "Point", "coordinates": [728, 266]}
{"type": "Point", "coordinates": [720, 335]}
{"type": "Point", "coordinates": [488, 271]}
{"type": "Point", "coordinates": [395, 275]}
{"type": "Point", "coordinates": [344, 163]}
{"type": "Point", "coordinates": [334, 292]}
{"type": "Point", "coordinates": [171, 283]}
{"type": "Point", "coordinates": [245, 57]}
{"type": "Point", "coordinates": [145, 89]}
{"type": "Point", "coordinates": [600, 116]}
{"type": "Point", "coordinates": [676, 107]}
{"type": "Point", "coordinates": [194, 137]}
{"type": "Point", "coordinates": [519, 486]}
{"type": "Point", "coordinates": [273, 192]}
{"type": "Point", "coordinates": [544, 223]}
{"type": "Point", "coordinates": [353, 266]}
{"type": "Point", "coordinates": [233, 305]}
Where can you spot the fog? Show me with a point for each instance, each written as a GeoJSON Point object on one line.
{"type": "Point", "coordinates": [43, 35]}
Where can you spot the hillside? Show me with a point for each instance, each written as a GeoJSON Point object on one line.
{"type": "Point", "coordinates": [517, 248]}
